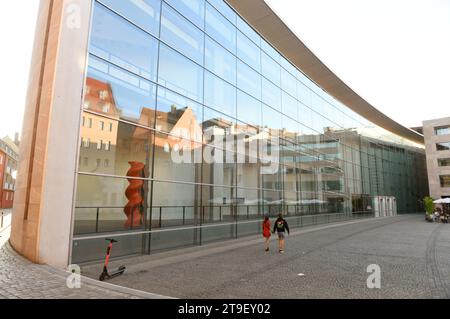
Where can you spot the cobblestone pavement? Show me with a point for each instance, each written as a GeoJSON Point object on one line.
{"type": "Point", "coordinates": [414, 257]}
{"type": "Point", "coordinates": [20, 279]}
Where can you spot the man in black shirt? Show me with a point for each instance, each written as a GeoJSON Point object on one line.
{"type": "Point", "coordinates": [281, 226]}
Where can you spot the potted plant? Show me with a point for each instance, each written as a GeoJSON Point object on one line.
{"type": "Point", "coordinates": [429, 207]}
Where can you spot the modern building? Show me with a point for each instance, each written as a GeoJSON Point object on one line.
{"type": "Point", "coordinates": [9, 157]}
{"type": "Point", "coordinates": [437, 146]}
{"type": "Point", "coordinates": [171, 123]}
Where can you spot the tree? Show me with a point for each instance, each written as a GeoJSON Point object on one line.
{"type": "Point", "coordinates": [429, 205]}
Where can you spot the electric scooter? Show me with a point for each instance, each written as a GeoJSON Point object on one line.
{"type": "Point", "coordinates": [105, 274]}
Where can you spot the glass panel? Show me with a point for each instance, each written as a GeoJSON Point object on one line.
{"type": "Point", "coordinates": [111, 150]}
{"type": "Point", "coordinates": [445, 146]}
{"type": "Point", "coordinates": [94, 249]}
{"type": "Point", "coordinates": [119, 94]}
{"type": "Point", "coordinates": [271, 120]}
{"type": "Point", "coordinates": [103, 206]}
{"type": "Point", "coordinates": [193, 10]}
{"type": "Point", "coordinates": [290, 106]}
{"type": "Point", "coordinates": [248, 109]}
{"type": "Point", "coordinates": [174, 158]}
{"type": "Point", "coordinates": [442, 130]}
{"type": "Point", "coordinates": [270, 51]}
{"type": "Point", "coordinates": [220, 29]}
{"type": "Point", "coordinates": [445, 180]}
{"type": "Point", "coordinates": [248, 52]}
{"type": "Point", "coordinates": [144, 13]}
{"type": "Point", "coordinates": [248, 31]}
{"type": "Point", "coordinates": [220, 61]}
{"type": "Point", "coordinates": [444, 162]}
{"type": "Point", "coordinates": [288, 83]}
{"type": "Point", "coordinates": [270, 69]}
{"type": "Point", "coordinates": [176, 112]}
{"type": "Point", "coordinates": [169, 201]}
{"type": "Point", "coordinates": [249, 80]}
{"type": "Point", "coordinates": [117, 41]}
{"type": "Point", "coordinates": [223, 8]}
{"type": "Point", "coordinates": [180, 74]}
{"type": "Point", "coordinates": [271, 94]}
{"type": "Point", "coordinates": [180, 34]}
{"type": "Point", "coordinates": [220, 95]}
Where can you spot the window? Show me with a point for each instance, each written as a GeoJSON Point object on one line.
{"type": "Point", "coordinates": [248, 52]}
{"type": "Point", "coordinates": [270, 69]}
{"type": "Point", "coordinates": [445, 180]}
{"type": "Point", "coordinates": [290, 106]}
{"type": "Point", "coordinates": [117, 41]}
{"type": "Point", "coordinates": [86, 161]}
{"type": "Point", "coordinates": [445, 146]}
{"type": "Point", "coordinates": [220, 95]}
{"type": "Point", "coordinates": [172, 106]}
{"type": "Point", "coordinates": [108, 146]}
{"type": "Point", "coordinates": [99, 144]}
{"type": "Point", "coordinates": [87, 143]}
{"type": "Point", "coordinates": [102, 126]}
{"type": "Point", "coordinates": [182, 35]}
{"type": "Point", "coordinates": [90, 123]}
{"type": "Point", "coordinates": [220, 29]}
{"type": "Point", "coordinates": [249, 80]}
{"type": "Point", "coordinates": [106, 107]}
{"type": "Point", "coordinates": [193, 10]}
{"type": "Point", "coordinates": [288, 82]}
{"type": "Point", "coordinates": [130, 94]}
{"type": "Point", "coordinates": [82, 122]}
{"type": "Point", "coordinates": [445, 130]}
{"type": "Point", "coordinates": [220, 61]}
{"type": "Point", "coordinates": [180, 74]}
{"type": "Point", "coordinates": [106, 163]}
{"type": "Point", "coordinates": [144, 13]}
{"type": "Point", "coordinates": [110, 127]}
{"type": "Point", "coordinates": [271, 94]}
{"type": "Point", "coordinates": [444, 162]}
{"type": "Point", "coordinates": [224, 9]}
{"type": "Point", "coordinates": [248, 31]}
{"type": "Point", "coordinates": [248, 109]}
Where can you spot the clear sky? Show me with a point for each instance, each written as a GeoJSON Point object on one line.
{"type": "Point", "coordinates": [394, 53]}
{"type": "Point", "coordinates": [17, 25]}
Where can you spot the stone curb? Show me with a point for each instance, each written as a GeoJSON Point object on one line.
{"type": "Point", "coordinates": [89, 281]}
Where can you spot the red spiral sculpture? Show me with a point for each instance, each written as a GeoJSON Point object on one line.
{"type": "Point", "coordinates": [133, 209]}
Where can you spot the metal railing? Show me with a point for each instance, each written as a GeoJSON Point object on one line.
{"type": "Point", "coordinates": [159, 217]}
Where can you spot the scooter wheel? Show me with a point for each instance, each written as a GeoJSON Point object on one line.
{"type": "Point", "coordinates": [102, 277]}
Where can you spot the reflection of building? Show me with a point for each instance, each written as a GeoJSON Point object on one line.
{"type": "Point", "coordinates": [437, 143]}
{"type": "Point", "coordinates": [158, 86]}
{"type": "Point", "coordinates": [9, 155]}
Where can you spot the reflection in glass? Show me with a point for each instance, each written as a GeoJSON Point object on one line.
{"type": "Point", "coordinates": [182, 35]}
{"type": "Point", "coordinates": [220, 29]}
{"type": "Point", "coordinates": [116, 41]}
{"type": "Point", "coordinates": [117, 93]}
{"type": "Point", "coordinates": [180, 74]}
{"type": "Point", "coordinates": [248, 80]}
{"type": "Point", "coordinates": [193, 10]}
{"type": "Point", "coordinates": [144, 13]}
{"type": "Point", "coordinates": [220, 61]}
{"type": "Point", "coordinates": [220, 95]}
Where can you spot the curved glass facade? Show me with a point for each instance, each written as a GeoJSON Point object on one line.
{"type": "Point", "coordinates": [181, 99]}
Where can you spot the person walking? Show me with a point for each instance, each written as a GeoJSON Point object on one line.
{"type": "Point", "coordinates": [266, 232]}
{"type": "Point", "coordinates": [281, 226]}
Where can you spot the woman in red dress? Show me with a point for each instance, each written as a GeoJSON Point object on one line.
{"type": "Point", "coordinates": [266, 232]}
